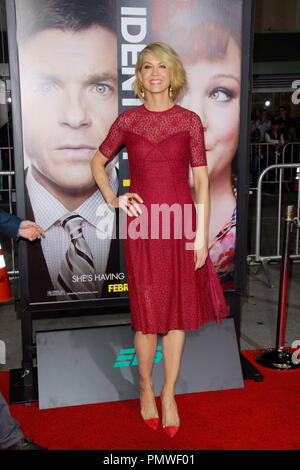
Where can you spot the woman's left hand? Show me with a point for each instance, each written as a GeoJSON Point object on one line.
{"type": "Point", "coordinates": [200, 257]}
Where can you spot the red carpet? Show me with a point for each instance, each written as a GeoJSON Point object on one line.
{"type": "Point", "coordinates": [262, 416]}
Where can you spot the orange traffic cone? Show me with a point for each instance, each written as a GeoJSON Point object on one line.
{"type": "Point", "coordinates": [5, 292]}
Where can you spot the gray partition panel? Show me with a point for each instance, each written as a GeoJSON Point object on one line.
{"type": "Point", "coordinates": [95, 365]}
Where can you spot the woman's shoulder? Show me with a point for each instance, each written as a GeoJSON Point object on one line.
{"type": "Point", "coordinates": [127, 115]}
{"type": "Point", "coordinates": [192, 115]}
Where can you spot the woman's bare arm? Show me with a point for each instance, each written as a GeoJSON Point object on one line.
{"type": "Point", "coordinates": [202, 200]}
{"type": "Point", "coordinates": [98, 163]}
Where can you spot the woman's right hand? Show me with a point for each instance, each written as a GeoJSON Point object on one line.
{"type": "Point", "coordinates": [128, 202]}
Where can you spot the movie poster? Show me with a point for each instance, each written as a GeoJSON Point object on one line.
{"type": "Point", "coordinates": [69, 99]}
{"type": "Point", "coordinates": [207, 36]}
{"type": "Point", "coordinates": [76, 66]}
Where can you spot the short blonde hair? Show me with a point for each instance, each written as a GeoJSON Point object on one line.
{"type": "Point", "coordinates": [169, 57]}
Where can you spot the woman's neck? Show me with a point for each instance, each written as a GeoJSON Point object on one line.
{"type": "Point", "coordinates": [158, 102]}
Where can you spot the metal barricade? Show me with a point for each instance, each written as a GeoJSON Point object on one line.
{"type": "Point", "coordinates": [259, 157]}
{"type": "Point", "coordinates": [263, 155]}
{"type": "Point", "coordinates": [290, 154]}
{"type": "Point", "coordinates": [258, 257]}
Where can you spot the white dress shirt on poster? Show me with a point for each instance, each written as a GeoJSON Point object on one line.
{"type": "Point", "coordinates": [48, 212]}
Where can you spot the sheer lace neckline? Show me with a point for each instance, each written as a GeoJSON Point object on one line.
{"type": "Point", "coordinates": [159, 112]}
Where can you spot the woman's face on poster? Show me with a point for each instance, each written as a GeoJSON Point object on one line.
{"type": "Point", "coordinates": [214, 94]}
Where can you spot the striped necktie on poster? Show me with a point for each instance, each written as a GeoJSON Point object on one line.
{"type": "Point", "coordinates": [77, 261]}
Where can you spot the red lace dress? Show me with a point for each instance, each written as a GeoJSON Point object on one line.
{"type": "Point", "coordinates": [165, 291]}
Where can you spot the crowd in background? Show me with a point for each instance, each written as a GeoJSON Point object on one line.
{"type": "Point", "coordinates": [277, 130]}
{"type": "Point", "coordinates": [280, 128]}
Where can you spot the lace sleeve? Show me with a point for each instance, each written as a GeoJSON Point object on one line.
{"type": "Point", "coordinates": [114, 139]}
{"type": "Point", "coordinates": [197, 145]}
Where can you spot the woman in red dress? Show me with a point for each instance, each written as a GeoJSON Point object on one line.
{"type": "Point", "coordinates": [172, 283]}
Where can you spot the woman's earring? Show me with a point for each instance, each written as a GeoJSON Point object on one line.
{"type": "Point", "coordinates": [142, 91]}
{"type": "Point", "coordinates": [171, 92]}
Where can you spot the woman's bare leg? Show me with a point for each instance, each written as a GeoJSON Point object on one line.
{"type": "Point", "coordinates": [172, 343]}
{"type": "Point", "coordinates": [145, 346]}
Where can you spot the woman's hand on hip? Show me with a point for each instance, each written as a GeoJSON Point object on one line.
{"type": "Point", "coordinates": [128, 202]}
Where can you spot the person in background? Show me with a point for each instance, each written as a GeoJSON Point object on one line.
{"type": "Point", "coordinates": [255, 133]}
{"type": "Point", "coordinates": [263, 124]}
{"type": "Point", "coordinates": [275, 138]}
{"type": "Point", "coordinates": [11, 436]}
{"type": "Point", "coordinates": [255, 154]}
{"type": "Point", "coordinates": [283, 114]}
{"type": "Point", "coordinates": [16, 228]}
{"type": "Point", "coordinates": [292, 151]}
{"type": "Point", "coordinates": [275, 135]}
{"type": "Point", "coordinates": [292, 131]}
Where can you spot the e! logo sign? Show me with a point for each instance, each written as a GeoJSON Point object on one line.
{"type": "Point", "coordinates": [127, 357]}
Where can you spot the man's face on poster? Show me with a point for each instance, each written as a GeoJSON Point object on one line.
{"type": "Point", "coordinates": [69, 101]}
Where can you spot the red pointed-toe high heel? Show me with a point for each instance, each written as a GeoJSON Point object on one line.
{"type": "Point", "coordinates": [152, 423]}
{"type": "Point", "coordinates": [171, 430]}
